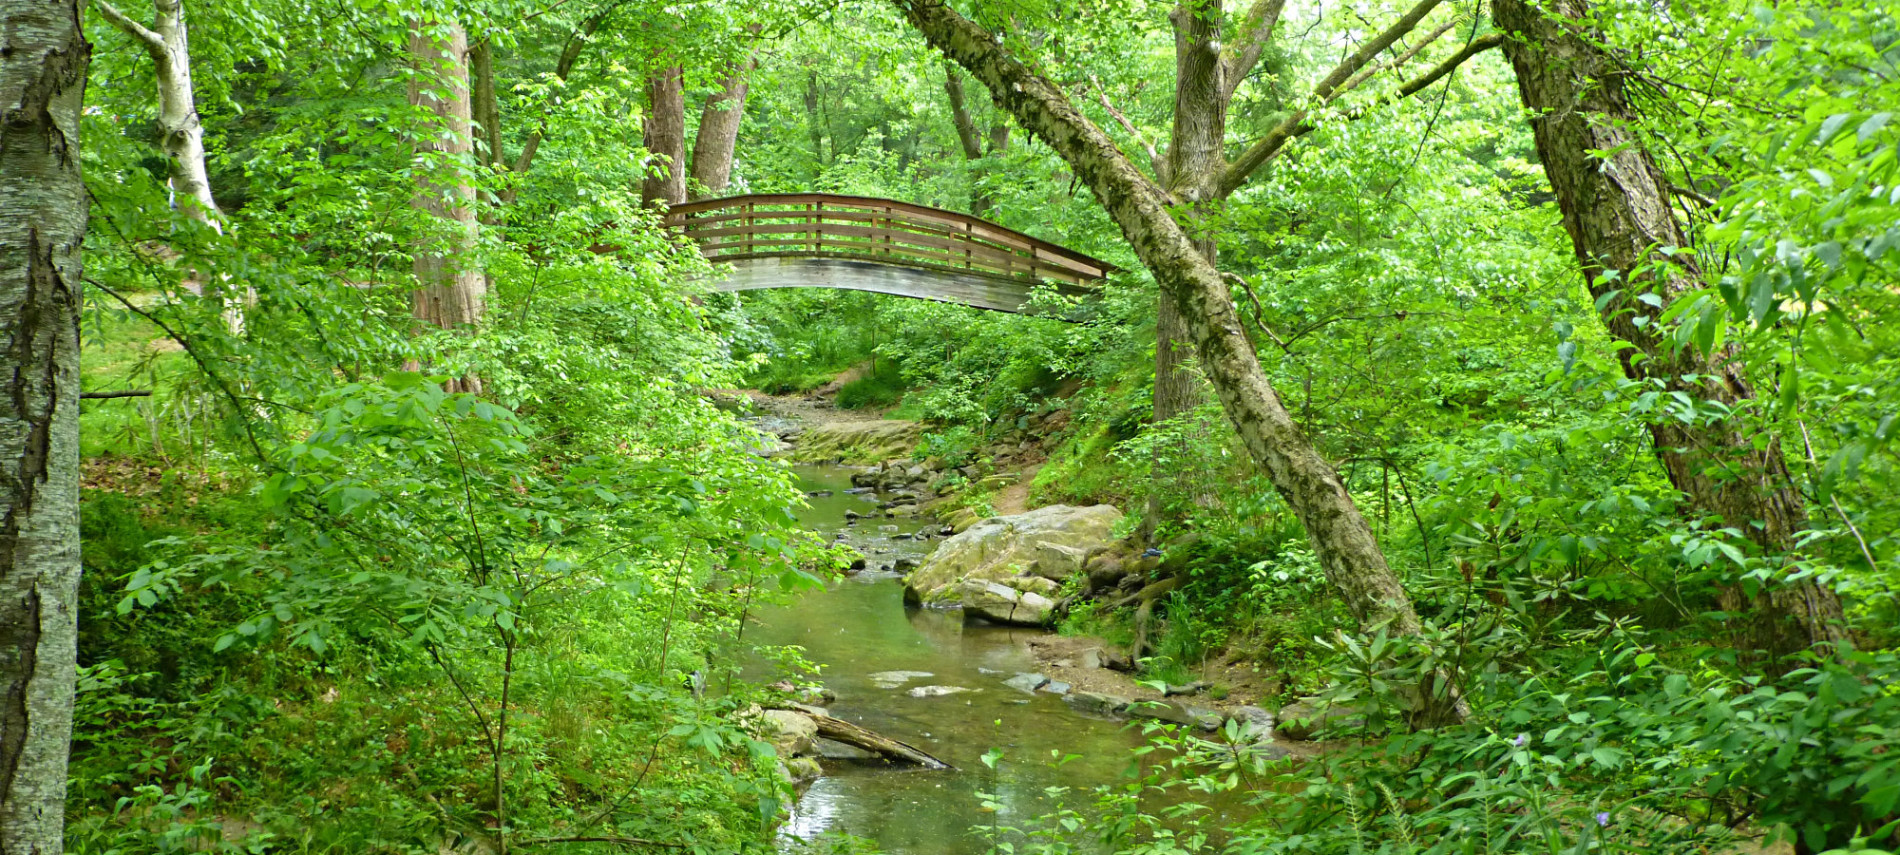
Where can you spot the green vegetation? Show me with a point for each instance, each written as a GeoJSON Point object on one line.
{"type": "Point", "coordinates": [426, 540]}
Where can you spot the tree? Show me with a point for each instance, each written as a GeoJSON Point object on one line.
{"type": "Point", "coordinates": [664, 135]}
{"type": "Point", "coordinates": [451, 288]}
{"type": "Point", "coordinates": [1344, 542]}
{"type": "Point", "coordinates": [972, 140]}
{"type": "Point", "coordinates": [1616, 208]}
{"type": "Point", "coordinates": [43, 207]}
{"type": "Point", "coordinates": [180, 133]}
{"type": "Point", "coordinates": [718, 134]}
{"type": "Point", "coordinates": [1199, 174]}
{"type": "Point", "coordinates": [1194, 170]}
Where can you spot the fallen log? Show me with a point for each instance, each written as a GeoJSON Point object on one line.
{"type": "Point", "coordinates": [839, 730]}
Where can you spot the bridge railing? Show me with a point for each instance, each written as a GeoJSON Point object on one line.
{"type": "Point", "coordinates": [884, 230]}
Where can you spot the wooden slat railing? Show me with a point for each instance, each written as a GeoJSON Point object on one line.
{"type": "Point", "coordinates": [777, 225]}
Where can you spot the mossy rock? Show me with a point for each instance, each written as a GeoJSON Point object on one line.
{"type": "Point", "coordinates": [858, 442]}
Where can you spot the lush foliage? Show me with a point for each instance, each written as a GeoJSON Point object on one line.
{"type": "Point", "coordinates": [337, 602]}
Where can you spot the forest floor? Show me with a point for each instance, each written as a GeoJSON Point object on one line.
{"type": "Point", "coordinates": [809, 408]}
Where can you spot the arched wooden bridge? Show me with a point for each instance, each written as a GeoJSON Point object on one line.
{"type": "Point", "coordinates": [857, 243]}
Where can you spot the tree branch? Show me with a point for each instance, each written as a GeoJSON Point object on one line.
{"type": "Point", "coordinates": [1243, 53]}
{"type": "Point", "coordinates": [1479, 45]}
{"type": "Point", "coordinates": [1402, 59]}
{"type": "Point", "coordinates": [1346, 69]}
{"type": "Point", "coordinates": [128, 393]}
{"type": "Point", "coordinates": [1155, 161]}
{"type": "Point", "coordinates": [153, 41]}
{"type": "Point", "coordinates": [1296, 125]}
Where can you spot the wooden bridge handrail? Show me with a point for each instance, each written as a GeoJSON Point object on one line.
{"type": "Point", "coordinates": [875, 229]}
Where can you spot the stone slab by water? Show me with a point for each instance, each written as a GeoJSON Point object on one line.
{"type": "Point", "coordinates": [860, 631]}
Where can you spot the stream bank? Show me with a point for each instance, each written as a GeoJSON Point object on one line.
{"type": "Point", "coordinates": [953, 687]}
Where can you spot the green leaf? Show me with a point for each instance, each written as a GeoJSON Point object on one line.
{"type": "Point", "coordinates": [1830, 127]}
{"type": "Point", "coordinates": [1873, 125]}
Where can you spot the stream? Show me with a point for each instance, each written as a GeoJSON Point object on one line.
{"type": "Point", "coordinates": [859, 627]}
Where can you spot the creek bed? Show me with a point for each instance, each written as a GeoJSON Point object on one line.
{"type": "Point", "coordinates": [859, 627]}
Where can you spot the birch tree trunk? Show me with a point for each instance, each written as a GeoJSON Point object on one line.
{"type": "Point", "coordinates": [43, 57]}
{"type": "Point", "coordinates": [1341, 537]}
{"type": "Point", "coordinates": [664, 135]}
{"type": "Point", "coordinates": [181, 134]}
{"type": "Point", "coordinates": [451, 288]}
{"type": "Point", "coordinates": [1616, 209]}
{"type": "Point", "coordinates": [718, 135]}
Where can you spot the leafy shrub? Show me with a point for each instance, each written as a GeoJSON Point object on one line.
{"type": "Point", "coordinates": [882, 386]}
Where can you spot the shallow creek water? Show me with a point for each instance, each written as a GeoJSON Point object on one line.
{"type": "Point", "coordinates": [859, 627]}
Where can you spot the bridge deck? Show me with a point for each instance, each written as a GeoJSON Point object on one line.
{"type": "Point", "coordinates": [821, 240]}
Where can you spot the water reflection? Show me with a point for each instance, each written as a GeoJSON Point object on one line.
{"type": "Point", "coordinates": [860, 627]}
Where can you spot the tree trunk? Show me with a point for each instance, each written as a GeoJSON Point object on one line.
{"type": "Point", "coordinates": [181, 134]}
{"type": "Point", "coordinates": [485, 103]}
{"type": "Point", "coordinates": [1616, 209]}
{"type": "Point", "coordinates": [718, 135]}
{"type": "Point", "coordinates": [1343, 541]}
{"type": "Point", "coordinates": [1195, 163]}
{"type": "Point", "coordinates": [664, 135]}
{"type": "Point", "coordinates": [814, 125]}
{"type": "Point", "coordinates": [43, 57]}
{"type": "Point", "coordinates": [451, 288]}
{"type": "Point", "coordinates": [970, 139]}
{"type": "Point", "coordinates": [839, 730]}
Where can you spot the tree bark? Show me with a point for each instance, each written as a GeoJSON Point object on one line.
{"type": "Point", "coordinates": [1615, 206]}
{"type": "Point", "coordinates": [43, 58]}
{"type": "Point", "coordinates": [718, 136]}
{"type": "Point", "coordinates": [1343, 541]}
{"type": "Point", "coordinates": [664, 134]}
{"type": "Point", "coordinates": [1195, 163]}
{"type": "Point", "coordinates": [452, 289]}
{"type": "Point", "coordinates": [180, 134]}
{"type": "Point", "coordinates": [485, 102]}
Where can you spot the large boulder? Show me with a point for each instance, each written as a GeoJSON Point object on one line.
{"type": "Point", "coordinates": [1001, 549]}
{"type": "Point", "coordinates": [790, 732]}
{"type": "Point", "coordinates": [858, 442]}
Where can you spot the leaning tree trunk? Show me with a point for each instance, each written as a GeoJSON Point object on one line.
{"type": "Point", "coordinates": [43, 56]}
{"type": "Point", "coordinates": [1615, 207]}
{"type": "Point", "coordinates": [1347, 550]}
{"type": "Point", "coordinates": [664, 135]}
{"type": "Point", "coordinates": [718, 135]}
{"type": "Point", "coordinates": [451, 288]}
